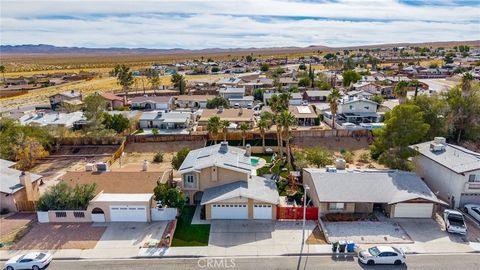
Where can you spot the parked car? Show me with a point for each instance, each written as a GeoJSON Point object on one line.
{"type": "Point", "coordinates": [382, 255]}
{"type": "Point", "coordinates": [454, 222]}
{"type": "Point", "coordinates": [32, 260]}
{"type": "Point", "coordinates": [473, 210]}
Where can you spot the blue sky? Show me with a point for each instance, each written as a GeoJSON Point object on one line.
{"type": "Point", "coordinates": [197, 24]}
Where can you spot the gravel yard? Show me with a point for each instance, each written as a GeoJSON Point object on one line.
{"type": "Point", "coordinates": [365, 232]}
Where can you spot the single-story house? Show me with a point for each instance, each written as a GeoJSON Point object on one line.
{"type": "Point", "coordinates": [304, 115]}
{"type": "Point", "coordinates": [18, 190]}
{"type": "Point", "coordinates": [232, 92]}
{"type": "Point", "coordinates": [400, 194]}
{"type": "Point", "coordinates": [67, 120]}
{"type": "Point", "coordinates": [113, 101]}
{"type": "Point", "coordinates": [244, 102]}
{"type": "Point", "coordinates": [56, 100]}
{"type": "Point", "coordinates": [232, 81]}
{"type": "Point", "coordinates": [193, 101]}
{"type": "Point", "coordinates": [122, 196]}
{"type": "Point", "coordinates": [235, 116]}
{"type": "Point", "coordinates": [316, 95]}
{"type": "Point", "coordinates": [165, 120]}
{"type": "Point", "coordinates": [153, 102]}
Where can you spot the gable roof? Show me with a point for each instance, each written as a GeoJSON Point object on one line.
{"type": "Point", "coordinates": [370, 186]}
{"type": "Point", "coordinates": [229, 157]}
{"type": "Point", "coordinates": [228, 114]}
{"type": "Point", "coordinates": [153, 99]}
{"type": "Point", "coordinates": [111, 96]}
{"type": "Point", "coordinates": [256, 188]}
{"type": "Point", "coordinates": [9, 180]}
{"type": "Point", "coordinates": [455, 158]}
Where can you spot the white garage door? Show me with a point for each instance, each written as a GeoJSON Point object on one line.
{"type": "Point", "coordinates": [413, 210]}
{"type": "Point", "coordinates": [229, 211]}
{"type": "Point", "coordinates": [262, 211]}
{"type": "Point", "coordinates": [131, 213]}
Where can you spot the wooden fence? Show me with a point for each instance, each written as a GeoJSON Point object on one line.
{"type": "Point", "coordinates": [90, 140]}
{"type": "Point", "coordinates": [117, 153]}
{"type": "Point", "coordinates": [26, 206]}
{"type": "Point", "coordinates": [164, 138]}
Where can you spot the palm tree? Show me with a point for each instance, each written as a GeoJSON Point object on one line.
{"type": "Point", "coordinates": [284, 98]}
{"type": "Point", "coordinates": [262, 124]}
{"type": "Point", "coordinates": [244, 128]}
{"type": "Point", "coordinates": [400, 91]}
{"type": "Point", "coordinates": [225, 124]}
{"type": "Point", "coordinates": [333, 99]}
{"type": "Point", "coordinates": [416, 84]}
{"type": "Point", "coordinates": [286, 120]}
{"type": "Point", "coordinates": [279, 135]}
{"type": "Point", "coordinates": [466, 83]}
{"type": "Point", "coordinates": [213, 127]}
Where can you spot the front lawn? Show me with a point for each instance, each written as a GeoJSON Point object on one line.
{"type": "Point", "coordinates": [187, 234]}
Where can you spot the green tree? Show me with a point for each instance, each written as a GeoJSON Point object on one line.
{"type": "Point", "coordinates": [333, 99]}
{"type": "Point", "coordinates": [244, 127]}
{"type": "Point", "coordinates": [319, 156]}
{"type": "Point", "coordinates": [304, 82]}
{"type": "Point", "coordinates": [404, 126]}
{"type": "Point", "coordinates": [117, 122]}
{"type": "Point", "coordinates": [179, 157]}
{"type": "Point", "coordinates": [214, 126]}
{"type": "Point", "coordinates": [258, 94]}
{"type": "Point", "coordinates": [350, 77]}
{"type": "Point", "coordinates": [27, 151]}
{"type": "Point", "coordinates": [215, 69]}
{"type": "Point", "coordinates": [2, 70]}
{"type": "Point", "coordinates": [330, 56]}
{"type": "Point", "coordinates": [302, 66]}
{"type": "Point", "coordinates": [63, 197]}
{"type": "Point", "coordinates": [433, 108]}
{"type": "Point", "coordinates": [153, 77]}
{"type": "Point", "coordinates": [378, 99]}
{"type": "Point", "coordinates": [224, 126]}
{"type": "Point", "coordinates": [169, 196]}
{"type": "Point", "coordinates": [400, 91]}
{"type": "Point", "coordinates": [179, 83]}
{"type": "Point", "coordinates": [264, 67]}
{"type": "Point", "coordinates": [249, 58]}
{"type": "Point", "coordinates": [217, 102]}
{"type": "Point", "coordinates": [286, 120]}
{"type": "Point", "coordinates": [94, 106]}
{"type": "Point", "coordinates": [124, 77]}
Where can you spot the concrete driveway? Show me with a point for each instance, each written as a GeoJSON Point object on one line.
{"type": "Point", "coordinates": [367, 232]}
{"type": "Point", "coordinates": [431, 237]}
{"type": "Point", "coordinates": [228, 233]}
{"type": "Point", "coordinates": [130, 234]}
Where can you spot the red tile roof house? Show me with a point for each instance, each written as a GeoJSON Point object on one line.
{"type": "Point", "coordinates": [113, 101]}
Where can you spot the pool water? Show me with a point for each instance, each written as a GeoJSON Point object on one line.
{"type": "Point", "coordinates": [254, 161]}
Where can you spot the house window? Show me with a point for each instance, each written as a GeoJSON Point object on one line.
{"type": "Point", "coordinates": [351, 107]}
{"type": "Point", "coordinates": [367, 107]}
{"type": "Point", "coordinates": [336, 206]}
{"type": "Point", "coordinates": [189, 178]}
{"type": "Point", "coordinates": [474, 178]}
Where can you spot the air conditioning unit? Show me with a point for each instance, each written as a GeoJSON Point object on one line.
{"type": "Point", "coordinates": [440, 140]}
{"type": "Point", "coordinates": [102, 167]}
{"type": "Point", "coordinates": [89, 167]}
{"type": "Point", "coordinates": [437, 147]}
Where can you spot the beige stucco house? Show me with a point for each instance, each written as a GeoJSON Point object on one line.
{"type": "Point", "coordinates": [222, 179]}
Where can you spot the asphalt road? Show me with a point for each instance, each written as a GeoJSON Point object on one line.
{"type": "Point", "coordinates": [434, 262]}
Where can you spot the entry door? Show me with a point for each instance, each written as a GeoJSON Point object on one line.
{"type": "Point", "coordinates": [262, 211]}
{"type": "Point", "coordinates": [229, 211]}
{"type": "Point", "coordinates": [128, 213]}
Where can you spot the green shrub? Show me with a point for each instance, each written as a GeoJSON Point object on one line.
{"type": "Point", "coordinates": [348, 156]}
{"type": "Point", "coordinates": [178, 159]}
{"type": "Point", "coordinates": [155, 131]}
{"type": "Point", "coordinates": [158, 157]}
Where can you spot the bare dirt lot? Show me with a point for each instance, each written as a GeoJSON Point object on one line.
{"type": "Point", "coordinates": [13, 224]}
{"type": "Point", "coordinates": [60, 236]}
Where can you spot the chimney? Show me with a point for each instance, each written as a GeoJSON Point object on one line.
{"type": "Point", "coordinates": [223, 147]}
{"type": "Point", "coordinates": [248, 150]}
{"type": "Point", "coordinates": [145, 165]}
{"type": "Point", "coordinates": [26, 181]}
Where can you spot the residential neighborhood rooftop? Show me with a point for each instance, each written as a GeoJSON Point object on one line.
{"type": "Point", "coordinates": [10, 181]}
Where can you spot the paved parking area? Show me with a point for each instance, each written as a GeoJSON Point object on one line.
{"type": "Point", "coordinates": [11, 224]}
{"type": "Point", "coordinates": [430, 236]}
{"type": "Point", "coordinates": [130, 234]}
{"type": "Point", "coordinates": [367, 232]}
{"type": "Point", "coordinates": [228, 233]}
{"type": "Point", "coordinates": [60, 236]}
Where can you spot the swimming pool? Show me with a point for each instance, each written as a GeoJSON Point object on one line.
{"type": "Point", "coordinates": [254, 161]}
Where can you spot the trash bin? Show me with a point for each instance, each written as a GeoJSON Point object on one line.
{"type": "Point", "coordinates": [341, 246]}
{"type": "Point", "coordinates": [334, 246]}
{"type": "Point", "coordinates": [350, 246]}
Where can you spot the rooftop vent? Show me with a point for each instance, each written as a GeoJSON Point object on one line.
{"type": "Point", "coordinates": [223, 147]}
{"type": "Point", "coordinates": [437, 147]}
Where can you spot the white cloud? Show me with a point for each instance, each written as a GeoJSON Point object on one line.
{"type": "Point", "coordinates": [231, 24]}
